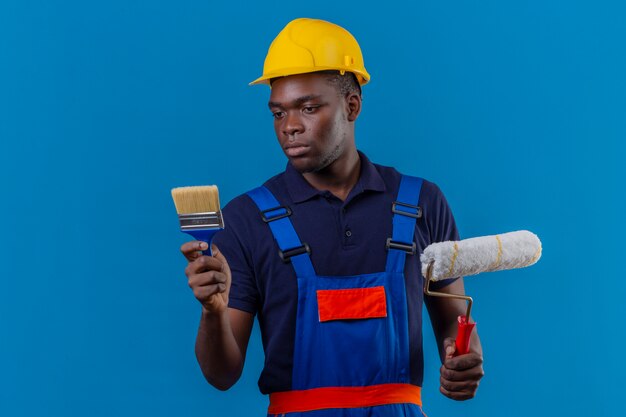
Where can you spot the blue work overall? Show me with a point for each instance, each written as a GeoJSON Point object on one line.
{"type": "Point", "coordinates": [351, 355]}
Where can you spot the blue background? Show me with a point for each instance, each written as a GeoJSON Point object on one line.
{"type": "Point", "coordinates": [517, 110]}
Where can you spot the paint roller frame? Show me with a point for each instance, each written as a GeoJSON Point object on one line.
{"type": "Point", "coordinates": [428, 292]}
{"type": "Point", "coordinates": [465, 327]}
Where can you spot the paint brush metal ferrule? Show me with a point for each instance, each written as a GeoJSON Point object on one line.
{"type": "Point", "coordinates": [197, 221]}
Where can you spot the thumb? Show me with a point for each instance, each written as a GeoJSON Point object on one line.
{"type": "Point", "coordinates": [449, 347]}
{"type": "Point", "coordinates": [217, 254]}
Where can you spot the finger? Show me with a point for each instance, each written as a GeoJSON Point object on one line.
{"type": "Point", "coordinates": [204, 292]}
{"type": "Point", "coordinates": [458, 396]}
{"type": "Point", "coordinates": [202, 264]}
{"type": "Point", "coordinates": [475, 373]}
{"type": "Point", "coordinates": [192, 250]}
{"type": "Point", "coordinates": [449, 347]}
{"type": "Point", "coordinates": [207, 278]}
{"type": "Point", "coordinates": [458, 386]}
{"type": "Point", "coordinates": [462, 362]}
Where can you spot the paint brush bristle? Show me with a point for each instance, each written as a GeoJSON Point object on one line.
{"type": "Point", "coordinates": [197, 199]}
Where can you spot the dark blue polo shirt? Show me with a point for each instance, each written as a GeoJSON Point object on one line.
{"type": "Point", "coordinates": [346, 238]}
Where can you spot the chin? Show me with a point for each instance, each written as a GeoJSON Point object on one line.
{"type": "Point", "coordinates": [303, 167]}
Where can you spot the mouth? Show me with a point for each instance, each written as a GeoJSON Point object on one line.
{"type": "Point", "coordinates": [295, 150]}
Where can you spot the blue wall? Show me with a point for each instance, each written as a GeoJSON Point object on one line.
{"type": "Point", "coordinates": [517, 110]}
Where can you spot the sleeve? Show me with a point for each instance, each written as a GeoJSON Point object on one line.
{"type": "Point", "coordinates": [244, 294]}
{"type": "Point", "coordinates": [442, 226]}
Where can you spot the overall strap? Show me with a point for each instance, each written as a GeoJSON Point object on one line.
{"type": "Point", "coordinates": [405, 213]}
{"type": "Point", "coordinates": [291, 249]}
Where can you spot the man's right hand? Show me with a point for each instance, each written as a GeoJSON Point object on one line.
{"type": "Point", "coordinates": [208, 276]}
{"type": "Point", "coordinates": [223, 332]}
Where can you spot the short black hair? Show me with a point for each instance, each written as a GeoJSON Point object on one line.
{"type": "Point", "coordinates": [345, 84]}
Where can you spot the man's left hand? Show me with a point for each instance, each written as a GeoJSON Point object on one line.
{"type": "Point", "coordinates": [461, 374]}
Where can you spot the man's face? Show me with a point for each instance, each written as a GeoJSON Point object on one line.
{"type": "Point", "coordinates": [310, 120]}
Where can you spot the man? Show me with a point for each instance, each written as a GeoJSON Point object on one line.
{"type": "Point", "coordinates": [327, 255]}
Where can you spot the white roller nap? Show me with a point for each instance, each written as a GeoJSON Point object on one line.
{"type": "Point", "coordinates": [481, 254]}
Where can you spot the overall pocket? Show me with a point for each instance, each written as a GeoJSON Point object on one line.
{"type": "Point", "coordinates": [352, 303]}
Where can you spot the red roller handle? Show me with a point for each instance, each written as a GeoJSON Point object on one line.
{"type": "Point", "coordinates": [463, 336]}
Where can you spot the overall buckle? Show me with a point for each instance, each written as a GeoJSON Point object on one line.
{"type": "Point", "coordinates": [411, 249]}
{"type": "Point", "coordinates": [286, 255]}
{"type": "Point", "coordinates": [406, 213]}
{"type": "Point", "coordinates": [267, 219]}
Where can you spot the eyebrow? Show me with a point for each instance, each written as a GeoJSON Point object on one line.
{"type": "Point", "coordinates": [295, 102]}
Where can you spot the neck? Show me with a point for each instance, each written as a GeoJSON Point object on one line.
{"type": "Point", "coordinates": [339, 177]}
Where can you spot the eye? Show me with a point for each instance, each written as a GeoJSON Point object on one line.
{"type": "Point", "coordinates": [309, 109]}
{"type": "Point", "coordinates": [278, 114]}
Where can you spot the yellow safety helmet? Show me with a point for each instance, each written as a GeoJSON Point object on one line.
{"type": "Point", "coordinates": [309, 45]}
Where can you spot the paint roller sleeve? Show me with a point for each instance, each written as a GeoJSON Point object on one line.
{"type": "Point", "coordinates": [481, 254]}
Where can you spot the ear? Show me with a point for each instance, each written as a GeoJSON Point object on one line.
{"type": "Point", "coordinates": [353, 106]}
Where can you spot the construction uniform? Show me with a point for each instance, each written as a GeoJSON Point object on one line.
{"type": "Point", "coordinates": [337, 288]}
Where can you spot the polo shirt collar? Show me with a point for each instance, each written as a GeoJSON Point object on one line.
{"type": "Point", "coordinates": [300, 190]}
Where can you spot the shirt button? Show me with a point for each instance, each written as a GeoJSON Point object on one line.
{"type": "Point", "coordinates": [348, 233]}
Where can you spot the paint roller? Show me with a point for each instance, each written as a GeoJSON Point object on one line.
{"type": "Point", "coordinates": [450, 259]}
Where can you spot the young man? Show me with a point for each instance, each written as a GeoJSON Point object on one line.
{"type": "Point", "coordinates": [327, 255]}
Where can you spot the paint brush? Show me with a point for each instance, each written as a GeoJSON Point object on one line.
{"type": "Point", "coordinates": [199, 212]}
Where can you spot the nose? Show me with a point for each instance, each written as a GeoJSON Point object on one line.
{"type": "Point", "coordinates": [292, 124]}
